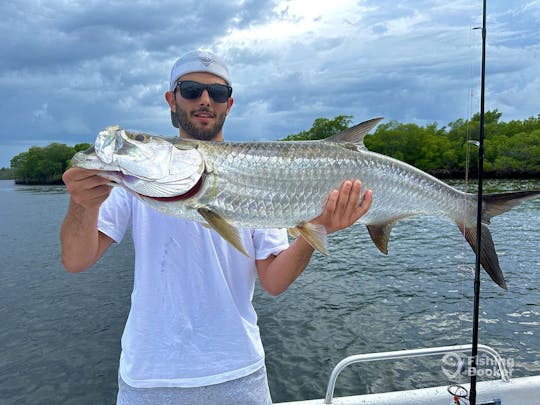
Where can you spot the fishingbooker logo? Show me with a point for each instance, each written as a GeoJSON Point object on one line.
{"type": "Point", "coordinates": [455, 364]}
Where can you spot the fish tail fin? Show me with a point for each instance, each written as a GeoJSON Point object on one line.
{"type": "Point", "coordinates": [493, 205]}
{"type": "Point", "coordinates": [488, 255]}
{"type": "Point", "coordinates": [499, 203]}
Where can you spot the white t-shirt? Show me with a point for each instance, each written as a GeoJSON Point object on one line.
{"type": "Point", "coordinates": [191, 321]}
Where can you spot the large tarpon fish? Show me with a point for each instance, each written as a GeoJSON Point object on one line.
{"type": "Point", "coordinates": [285, 184]}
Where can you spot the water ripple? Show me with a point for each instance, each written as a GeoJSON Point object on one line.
{"type": "Point", "coordinates": [60, 332]}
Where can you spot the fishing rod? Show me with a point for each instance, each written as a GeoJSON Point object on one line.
{"type": "Point", "coordinates": [476, 310]}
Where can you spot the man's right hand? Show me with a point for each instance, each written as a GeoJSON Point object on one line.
{"type": "Point", "coordinates": [86, 188]}
{"type": "Point", "coordinates": [82, 243]}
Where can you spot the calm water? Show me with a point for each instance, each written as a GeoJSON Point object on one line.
{"type": "Point", "coordinates": [60, 333]}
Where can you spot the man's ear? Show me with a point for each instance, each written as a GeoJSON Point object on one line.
{"type": "Point", "coordinates": [169, 97]}
{"type": "Point", "coordinates": [230, 103]}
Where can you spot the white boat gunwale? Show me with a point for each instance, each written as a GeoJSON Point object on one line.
{"type": "Point", "coordinates": [523, 390]}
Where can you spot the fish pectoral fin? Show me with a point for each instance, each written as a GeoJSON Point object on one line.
{"type": "Point", "coordinates": [380, 233]}
{"type": "Point", "coordinates": [314, 234]}
{"type": "Point", "coordinates": [293, 232]}
{"type": "Point", "coordinates": [223, 228]}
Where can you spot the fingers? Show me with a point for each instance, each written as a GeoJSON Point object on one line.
{"type": "Point", "coordinates": [343, 208]}
{"type": "Point", "coordinates": [346, 193]}
{"type": "Point", "coordinates": [364, 205]}
{"type": "Point", "coordinates": [92, 197]}
{"type": "Point", "coordinates": [344, 203]}
{"type": "Point", "coordinates": [75, 174]}
{"type": "Point", "coordinates": [86, 187]}
{"type": "Point", "coordinates": [331, 203]}
{"type": "Point", "coordinates": [347, 206]}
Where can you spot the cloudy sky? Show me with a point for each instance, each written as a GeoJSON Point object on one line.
{"type": "Point", "coordinates": [70, 68]}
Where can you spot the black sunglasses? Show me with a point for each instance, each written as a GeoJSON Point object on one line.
{"type": "Point", "coordinates": [192, 90]}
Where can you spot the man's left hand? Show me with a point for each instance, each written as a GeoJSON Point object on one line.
{"type": "Point", "coordinates": [342, 208]}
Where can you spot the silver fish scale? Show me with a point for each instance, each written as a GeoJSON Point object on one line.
{"type": "Point", "coordinates": [283, 184]}
{"type": "Point", "coordinates": [260, 184]}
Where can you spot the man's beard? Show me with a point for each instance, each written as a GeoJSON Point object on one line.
{"type": "Point", "coordinates": [202, 134]}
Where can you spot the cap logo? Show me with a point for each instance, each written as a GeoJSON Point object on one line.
{"type": "Point", "coordinates": [206, 60]}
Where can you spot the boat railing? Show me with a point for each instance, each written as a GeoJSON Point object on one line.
{"type": "Point", "coordinates": [402, 354]}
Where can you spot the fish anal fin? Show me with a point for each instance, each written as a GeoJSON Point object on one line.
{"type": "Point", "coordinates": [380, 233]}
{"type": "Point", "coordinates": [314, 234]}
{"type": "Point", "coordinates": [488, 255]}
{"type": "Point", "coordinates": [223, 228]}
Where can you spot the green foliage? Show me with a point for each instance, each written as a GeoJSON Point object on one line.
{"type": "Point", "coordinates": [6, 174]}
{"type": "Point", "coordinates": [427, 148]}
{"type": "Point", "coordinates": [511, 148]}
{"type": "Point", "coordinates": [322, 128]}
{"type": "Point", "coordinates": [44, 165]}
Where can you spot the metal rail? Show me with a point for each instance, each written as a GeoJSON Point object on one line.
{"type": "Point", "coordinates": [402, 354]}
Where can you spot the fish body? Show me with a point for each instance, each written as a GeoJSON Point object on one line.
{"type": "Point", "coordinates": [285, 185]}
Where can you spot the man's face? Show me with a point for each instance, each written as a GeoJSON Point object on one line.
{"type": "Point", "coordinates": [200, 118]}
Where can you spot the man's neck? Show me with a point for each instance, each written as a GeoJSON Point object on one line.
{"type": "Point", "coordinates": [185, 135]}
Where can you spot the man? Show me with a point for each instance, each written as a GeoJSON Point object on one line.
{"type": "Point", "coordinates": [191, 335]}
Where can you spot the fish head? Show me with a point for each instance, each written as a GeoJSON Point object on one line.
{"type": "Point", "coordinates": [148, 165]}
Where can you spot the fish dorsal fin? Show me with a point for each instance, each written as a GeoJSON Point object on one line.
{"type": "Point", "coordinates": [355, 135]}
{"type": "Point", "coordinates": [314, 234]}
{"type": "Point", "coordinates": [223, 228]}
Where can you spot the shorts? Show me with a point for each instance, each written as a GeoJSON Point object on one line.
{"type": "Point", "coordinates": [249, 390]}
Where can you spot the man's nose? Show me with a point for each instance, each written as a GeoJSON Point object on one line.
{"type": "Point", "coordinates": [205, 97]}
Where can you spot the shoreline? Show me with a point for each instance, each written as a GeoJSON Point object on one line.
{"type": "Point", "coordinates": [442, 175]}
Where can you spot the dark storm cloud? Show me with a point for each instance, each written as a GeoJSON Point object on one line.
{"type": "Point", "coordinates": [70, 68]}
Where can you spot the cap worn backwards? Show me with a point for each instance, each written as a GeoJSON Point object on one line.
{"type": "Point", "coordinates": [200, 60]}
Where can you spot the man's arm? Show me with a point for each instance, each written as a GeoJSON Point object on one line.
{"type": "Point", "coordinates": [82, 243]}
{"type": "Point", "coordinates": [277, 273]}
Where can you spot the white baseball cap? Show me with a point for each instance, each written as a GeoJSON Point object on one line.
{"type": "Point", "coordinates": [200, 60]}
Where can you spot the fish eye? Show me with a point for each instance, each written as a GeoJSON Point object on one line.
{"type": "Point", "coordinates": [140, 138]}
